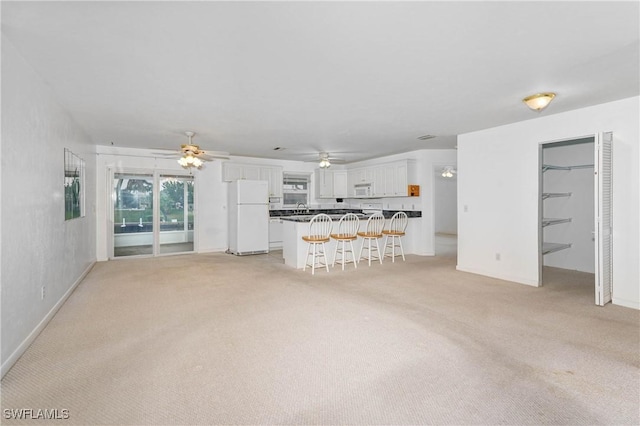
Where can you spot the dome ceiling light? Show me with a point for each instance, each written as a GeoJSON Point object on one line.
{"type": "Point", "coordinates": [539, 101]}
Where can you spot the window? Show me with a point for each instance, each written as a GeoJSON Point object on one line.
{"type": "Point", "coordinates": [295, 189]}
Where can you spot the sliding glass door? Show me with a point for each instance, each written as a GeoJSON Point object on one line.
{"type": "Point", "coordinates": [132, 214]}
{"type": "Point", "coordinates": [153, 214]}
{"type": "Point", "coordinates": [176, 214]}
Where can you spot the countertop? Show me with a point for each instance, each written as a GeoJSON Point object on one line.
{"type": "Point", "coordinates": [335, 214]}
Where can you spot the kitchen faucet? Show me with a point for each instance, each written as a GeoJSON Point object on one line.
{"type": "Point", "coordinates": [305, 207]}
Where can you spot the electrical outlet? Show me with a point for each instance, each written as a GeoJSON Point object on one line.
{"type": "Point", "coordinates": [497, 256]}
{"type": "Point", "coordinates": [42, 293]}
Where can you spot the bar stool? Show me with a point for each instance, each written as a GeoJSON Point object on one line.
{"type": "Point", "coordinates": [375, 223]}
{"type": "Point", "coordinates": [397, 226]}
{"type": "Point", "coordinates": [347, 232]}
{"type": "Point", "coordinates": [319, 231]}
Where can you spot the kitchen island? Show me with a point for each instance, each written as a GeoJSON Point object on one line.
{"type": "Point", "coordinates": [294, 249]}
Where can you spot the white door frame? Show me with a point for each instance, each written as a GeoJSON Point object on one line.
{"type": "Point", "coordinates": [602, 228]}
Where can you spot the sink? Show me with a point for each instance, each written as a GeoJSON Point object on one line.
{"type": "Point", "coordinates": [301, 216]}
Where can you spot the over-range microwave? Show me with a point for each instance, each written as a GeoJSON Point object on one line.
{"type": "Point", "coordinates": [363, 190]}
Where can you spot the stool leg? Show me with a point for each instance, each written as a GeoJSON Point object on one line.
{"type": "Point", "coordinates": [361, 248]}
{"type": "Point", "coordinates": [401, 249]}
{"type": "Point", "coordinates": [378, 250]}
{"type": "Point", "coordinates": [393, 249]}
{"type": "Point", "coordinates": [324, 255]}
{"type": "Point", "coordinates": [313, 261]}
{"type": "Point", "coordinates": [386, 242]}
{"type": "Point", "coordinates": [353, 254]}
{"type": "Point", "coordinates": [306, 261]}
{"type": "Point", "coordinates": [335, 254]}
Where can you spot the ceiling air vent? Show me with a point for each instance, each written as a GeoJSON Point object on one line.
{"type": "Point", "coordinates": [426, 137]}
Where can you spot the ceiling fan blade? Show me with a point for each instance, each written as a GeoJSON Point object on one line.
{"type": "Point", "coordinates": [211, 157]}
{"type": "Point", "coordinates": [167, 154]}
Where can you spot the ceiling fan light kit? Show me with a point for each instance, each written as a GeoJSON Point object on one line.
{"type": "Point", "coordinates": [192, 155]}
{"type": "Point", "coordinates": [448, 172]}
{"type": "Point", "coordinates": [324, 160]}
{"type": "Point", "coordinates": [539, 101]}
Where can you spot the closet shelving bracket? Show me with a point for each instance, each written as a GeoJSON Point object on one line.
{"type": "Point", "coordinates": [553, 247]}
{"type": "Point", "coordinates": [546, 167]}
{"type": "Point", "coordinates": [554, 221]}
{"type": "Point", "coordinates": [546, 195]}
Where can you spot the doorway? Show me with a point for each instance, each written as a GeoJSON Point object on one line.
{"type": "Point", "coordinates": [153, 214]}
{"type": "Point", "coordinates": [573, 175]}
{"type": "Point", "coordinates": [445, 206]}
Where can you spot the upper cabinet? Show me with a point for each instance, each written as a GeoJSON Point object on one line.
{"type": "Point", "coordinates": [340, 183]}
{"type": "Point", "coordinates": [331, 183]}
{"type": "Point", "coordinates": [387, 180]}
{"type": "Point", "coordinates": [272, 174]}
{"type": "Point", "coordinates": [324, 183]}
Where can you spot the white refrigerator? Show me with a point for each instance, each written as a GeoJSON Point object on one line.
{"type": "Point", "coordinates": [248, 217]}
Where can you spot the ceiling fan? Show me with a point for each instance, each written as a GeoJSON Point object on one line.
{"type": "Point", "coordinates": [192, 156]}
{"type": "Point", "coordinates": [325, 160]}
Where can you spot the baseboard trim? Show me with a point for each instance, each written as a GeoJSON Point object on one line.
{"type": "Point", "coordinates": [212, 250]}
{"type": "Point", "coordinates": [517, 280]}
{"type": "Point", "coordinates": [15, 356]}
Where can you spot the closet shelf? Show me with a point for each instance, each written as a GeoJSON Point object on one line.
{"type": "Point", "coordinates": [554, 221]}
{"type": "Point", "coordinates": [546, 195]}
{"type": "Point", "coordinates": [546, 167]}
{"type": "Point", "coordinates": [553, 247]}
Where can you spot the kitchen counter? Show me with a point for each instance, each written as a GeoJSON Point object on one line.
{"type": "Point", "coordinates": [335, 214]}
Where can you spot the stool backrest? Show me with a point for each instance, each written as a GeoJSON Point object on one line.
{"type": "Point", "coordinates": [348, 225]}
{"type": "Point", "coordinates": [398, 222]}
{"type": "Point", "coordinates": [320, 226]}
{"type": "Point", "coordinates": [375, 224]}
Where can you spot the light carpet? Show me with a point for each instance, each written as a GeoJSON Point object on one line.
{"type": "Point", "coordinates": [220, 339]}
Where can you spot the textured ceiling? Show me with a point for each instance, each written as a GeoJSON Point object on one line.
{"type": "Point", "coordinates": [356, 79]}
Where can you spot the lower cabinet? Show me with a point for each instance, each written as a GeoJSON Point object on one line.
{"type": "Point", "coordinates": [275, 233]}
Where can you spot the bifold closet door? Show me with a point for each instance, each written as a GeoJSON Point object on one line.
{"type": "Point", "coordinates": [603, 237]}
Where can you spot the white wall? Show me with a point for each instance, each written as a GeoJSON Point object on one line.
{"type": "Point", "coordinates": [498, 184]}
{"type": "Point", "coordinates": [579, 206]}
{"type": "Point", "coordinates": [39, 248]}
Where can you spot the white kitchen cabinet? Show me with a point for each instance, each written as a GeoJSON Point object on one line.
{"type": "Point", "coordinates": [324, 183]}
{"type": "Point", "coordinates": [401, 179]}
{"type": "Point", "coordinates": [235, 171]}
{"type": "Point", "coordinates": [388, 179]}
{"type": "Point", "coordinates": [340, 183]}
{"type": "Point", "coordinates": [273, 175]}
{"type": "Point", "coordinates": [232, 172]}
{"type": "Point", "coordinates": [379, 182]}
{"type": "Point", "coordinates": [251, 172]}
{"type": "Point", "coordinates": [363, 175]}
{"type": "Point", "coordinates": [331, 183]}
{"type": "Point", "coordinates": [275, 233]}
